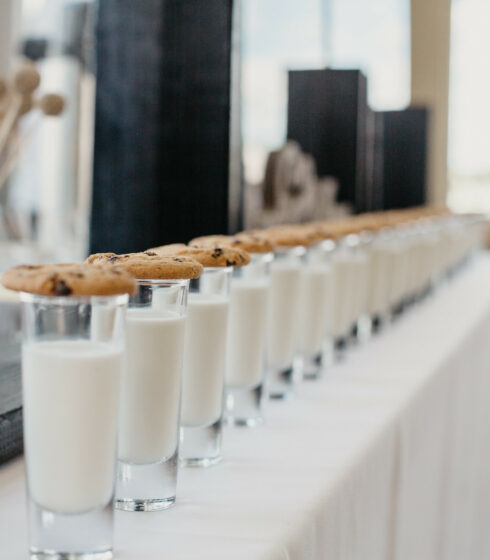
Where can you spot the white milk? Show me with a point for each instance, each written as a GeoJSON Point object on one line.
{"type": "Point", "coordinates": [71, 400]}
{"type": "Point", "coordinates": [379, 283]}
{"type": "Point", "coordinates": [284, 316]}
{"type": "Point", "coordinates": [360, 279]}
{"type": "Point", "coordinates": [204, 360]}
{"type": "Point", "coordinates": [314, 307]}
{"type": "Point", "coordinates": [247, 332]}
{"type": "Point", "coordinates": [343, 289]}
{"type": "Point", "coordinates": [150, 397]}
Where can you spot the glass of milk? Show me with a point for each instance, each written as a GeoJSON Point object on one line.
{"type": "Point", "coordinates": [71, 371]}
{"type": "Point", "coordinates": [350, 270]}
{"type": "Point", "coordinates": [284, 360]}
{"type": "Point", "coordinates": [379, 285]}
{"type": "Point", "coordinates": [315, 307]}
{"type": "Point", "coordinates": [247, 334]}
{"type": "Point", "coordinates": [149, 420]}
{"type": "Point", "coordinates": [204, 367]}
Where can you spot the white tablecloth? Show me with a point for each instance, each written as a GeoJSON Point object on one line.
{"type": "Point", "coordinates": [387, 458]}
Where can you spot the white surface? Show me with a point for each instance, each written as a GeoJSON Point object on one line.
{"type": "Point", "coordinates": [387, 458]}
{"type": "Point", "coordinates": [204, 359]}
{"type": "Point", "coordinates": [151, 386]}
{"type": "Point", "coordinates": [71, 396]}
{"type": "Point", "coordinates": [245, 357]}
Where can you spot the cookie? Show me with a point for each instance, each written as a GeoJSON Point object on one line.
{"type": "Point", "coordinates": [252, 242]}
{"type": "Point", "coordinates": [150, 265]}
{"type": "Point", "coordinates": [292, 236]}
{"type": "Point", "coordinates": [69, 280]}
{"type": "Point", "coordinates": [208, 255]}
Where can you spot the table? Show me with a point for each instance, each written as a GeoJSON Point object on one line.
{"type": "Point", "coordinates": [387, 458]}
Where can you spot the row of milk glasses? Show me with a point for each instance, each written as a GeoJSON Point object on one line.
{"type": "Point", "coordinates": [298, 308]}
{"type": "Point", "coordinates": [77, 357]}
{"type": "Point", "coordinates": [245, 355]}
{"type": "Point", "coordinates": [303, 306]}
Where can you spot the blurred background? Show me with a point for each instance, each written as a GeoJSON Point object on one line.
{"type": "Point", "coordinates": [185, 117]}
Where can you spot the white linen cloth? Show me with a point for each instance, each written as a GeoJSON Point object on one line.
{"type": "Point", "coordinates": [387, 458]}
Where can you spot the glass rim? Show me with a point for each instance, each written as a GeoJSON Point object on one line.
{"type": "Point", "coordinates": [327, 245]}
{"type": "Point", "coordinates": [118, 299]}
{"type": "Point", "coordinates": [162, 281]}
{"type": "Point", "coordinates": [261, 257]}
{"type": "Point", "coordinates": [217, 269]}
{"type": "Point", "coordinates": [291, 249]}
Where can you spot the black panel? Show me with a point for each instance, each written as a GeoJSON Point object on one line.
{"type": "Point", "coordinates": [327, 116]}
{"type": "Point", "coordinates": [373, 194]}
{"type": "Point", "coordinates": [161, 171]}
{"type": "Point", "coordinates": [405, 157]}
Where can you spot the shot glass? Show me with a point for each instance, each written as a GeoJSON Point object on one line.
{"type": "Point", "coordinates": [362, 261]}
{"type": "Point", "coordinates": [71, 373]}
{"type": "Point", "coordinates": [204, 368]}
{"type": "Point", "coordinates": [149, 419]}
{"type": "Point", "coordinates": [284, 359]}
{"type": "Point", "coordinates": [343, 264]}
{"type": "Point", "coordinates": [247, 333]}
{"type": "Point", "coordinates": [315, 301]}
{"type": "Point", "coordinates": [379, 285]}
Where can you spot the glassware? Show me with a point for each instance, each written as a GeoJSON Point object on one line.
{"type": "Point", "coordinates": [150, 398]}
{"type": "Point", "coordinates": [284, 360]}
{"type": "Point", "coordinates": [380, 282]}
{"type": "Point", "coordinates": [72, 355]}
{"type": "Point", "coordinates": [204, 368]}
{"type": "Point", "coordinates": [316, 299]}
{"type": "Point", "coordinates": [246, 354]}
{"type": "Point", "coordinates": [344, 267]}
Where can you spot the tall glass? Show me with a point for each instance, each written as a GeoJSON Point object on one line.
{"type": "Point", "coordinates": [204, 368]}
{"type": "Point", "coordinates": [71, 372]}
{"type": "Point", "coordinates": [284, 360]}
{"type": "Point", "coordinates": [150, 398]}
{"type": "Point", "coordinates": [247, 333]}
{"type": "Point", "coordinates": [315, 303]}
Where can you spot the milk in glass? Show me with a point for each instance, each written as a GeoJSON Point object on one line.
{"type": "Point", "coordinates": [71, 396]}
{"type": "Point", "coordinates": [247, 332]}
{"type": "Point", "coordinates": [150, 398]}
{"type": "Point", "coordinates": [204, 361]}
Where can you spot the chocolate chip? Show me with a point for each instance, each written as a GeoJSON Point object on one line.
{"type": "Point", "coordinates": [61, 288]}
{"type": "Point", "coordinates": [150, 253]}
{"type": "Point", "coordinates": [178, 260]}
{"type": "Point", "coordinates": [217, 252]}
{"type": "Point", "coordinates": [113, 259]}
{"type": "Point", "coordinates": [229, 263]}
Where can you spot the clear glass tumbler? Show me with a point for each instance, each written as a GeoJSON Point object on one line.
{"type": "Point", "coordinates": [284, 360]}
{"type": "Point", "coordinates": [204, 368]}
{"type": "Point", "coordinates": [72, 355]}
{"type": "Point", "coordinates": [247, 334]}
{"type": "Point", "coordinates": [343, 264]}
{"type": "Point", "coordinates": [316, 299]}
{"type": "Point", "coordinates": [149, 420]}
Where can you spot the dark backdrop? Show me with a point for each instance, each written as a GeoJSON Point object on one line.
{"type": "Point", "coordinates": [162, 125]}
